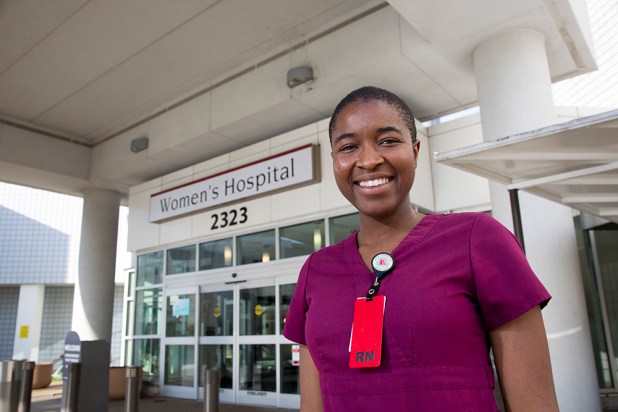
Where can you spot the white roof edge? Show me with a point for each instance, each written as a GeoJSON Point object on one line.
{"type": "Point", "coordinates": [528, 135]}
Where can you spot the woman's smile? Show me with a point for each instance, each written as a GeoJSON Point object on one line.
{"type": "Point", "coordinates": [373, 182]}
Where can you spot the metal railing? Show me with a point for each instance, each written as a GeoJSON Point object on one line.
{"type": "Point", "coordinates": [16, 385]}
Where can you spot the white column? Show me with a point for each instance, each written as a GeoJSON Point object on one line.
{"type": "Point", "coordinates": [28, 323]}
{"type": "Point", "coordinates": [515, 95]}
{"type": "Point", "coordinates": [94, 290]}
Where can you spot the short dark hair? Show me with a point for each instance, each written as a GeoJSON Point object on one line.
{"type": "Point", "coordinates": [369, 93]}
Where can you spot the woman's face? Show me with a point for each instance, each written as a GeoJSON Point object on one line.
{"type": "Point", "coordinates": [374, 159]}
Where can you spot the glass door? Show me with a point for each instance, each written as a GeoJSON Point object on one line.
{"type": "Point", "coordinates": [257, 343]}
{"type": "Point", "coordinates": [180, 377]}
{"type": "Point", "coordinates": [216, 341]}
{"type": "Point", "coordinates": [240, 333]}
{"type": "Point", "coordinates": [235, 328]}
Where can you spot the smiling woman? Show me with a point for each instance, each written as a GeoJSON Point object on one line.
{"type": "Point", "coordinates": [374, 160]}
{"type": "Point", "coordinates": [458, 286]}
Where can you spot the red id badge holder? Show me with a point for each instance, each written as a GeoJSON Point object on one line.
{"type": "Point", "coordinates": [366, 339]}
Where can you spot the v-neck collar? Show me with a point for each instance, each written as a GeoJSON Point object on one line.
{"type": "Point", "coordinates": [361, 273]}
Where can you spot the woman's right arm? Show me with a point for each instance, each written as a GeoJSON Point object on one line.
{"type": "Point", "coordinates": [310, 393]}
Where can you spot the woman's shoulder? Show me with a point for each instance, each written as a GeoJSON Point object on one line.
{"type": "Point", "coordinates": [464, 216]}
{"type": "Point", "coordinates": [460, 225]}
{"type": "Point", "coordinates": [462, 219]}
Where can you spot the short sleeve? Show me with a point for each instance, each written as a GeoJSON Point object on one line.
{"type": "Point", "coordinates": [295, 319]}
{"type": "Point", "coordinates": [505, 284]}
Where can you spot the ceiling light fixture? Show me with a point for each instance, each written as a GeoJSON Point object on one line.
{"type": "Point", "coordinates": [139, 144]}
{"type": "Point", "coordinates": [299, 75]}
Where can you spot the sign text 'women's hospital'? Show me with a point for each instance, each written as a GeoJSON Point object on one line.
{"type": "Point", "coordinates": [265, 176]}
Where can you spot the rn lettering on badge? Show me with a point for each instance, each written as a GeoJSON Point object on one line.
{"type": "Point", "coordinates": [362, 357]}
{"type": "Point", "coordinates": [366, 340]}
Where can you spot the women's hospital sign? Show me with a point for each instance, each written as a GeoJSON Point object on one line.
{"type": "Point", "coordinates": [283, 171]}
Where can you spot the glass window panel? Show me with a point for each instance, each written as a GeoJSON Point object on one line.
{"type": "Point", "coordinates": [300, 240]}
{"type": "Point", "coordinates": [607, 244]}
{"type": "Point", "coordinates": [217, 254]}
{"type": "Point", "coordinates": [258, 368]}
{"type": "Point", "coordinates": [180, 315]}
{"type": "Point", "coordinates": [256, 247]}
{"type": "Point", "coordinates": [128, 312]}
{"type": "Point", "coordinates": [148, 312]}
{"type": "Point", "coordinates": [179, 365]}
{"type": "Point", "coordinates": [149, 269]}
{"type": "Point", "coordinates": [220, 357]}
{"type": "Point", "coordinates": [285, 297]}
{"type": "Point", "coordinates": [257, 311]}
{"type": "Point", "coordinates": [127, 354]}
{"type": "Point", "coordinates": [146, 355]}
{"type": "Point", "coordinates": [289, 370]}
{"type": "Point", "coordinates": [130, 287]}
{"type": "Point", "coordinates": [593, 303]}
{"type": "Point", "coordinates": [181, 260]}
{"type": "Point", "coordinates": [343, 226]}
{"type": "Point", "coordinates": [216, 314]}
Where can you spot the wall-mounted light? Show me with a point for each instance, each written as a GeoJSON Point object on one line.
{"type": "Point", "coordinates": [266, 254]}
{"type": "Point", "coordinates": [299, 75]}
{"type": "Point", "coordinates": [227, 256]}
{"type": "Point", "coordinates": [139, 144]}
{"type": "Point", "coordinates": [317, 239]}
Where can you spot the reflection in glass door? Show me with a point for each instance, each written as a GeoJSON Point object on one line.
{"type": "Point", "coordinates": [217, 338]}
{"type": "Point", "coordinates": [257, 379]}
{"type": "Point", "coordinates": [179, 377]}
{"type": "Point", "coordinates": [235, 328]}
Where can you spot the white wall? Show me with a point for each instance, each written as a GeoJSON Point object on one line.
{"type": "Point", "coordinates": [28, 323]}
{"type": "Point", "coordinates": [456, 189]}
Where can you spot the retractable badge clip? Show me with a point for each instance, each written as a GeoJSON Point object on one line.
{"type": "Point", "coordinates": [382, 264]}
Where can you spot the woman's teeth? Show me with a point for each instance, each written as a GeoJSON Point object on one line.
{"type": "Point", "coordinates": [373, 183]}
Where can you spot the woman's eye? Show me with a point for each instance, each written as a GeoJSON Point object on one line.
{"type": "Point", "coordinates": [388, 140]}
{"type": "Point", "coordinates": [346, 148]}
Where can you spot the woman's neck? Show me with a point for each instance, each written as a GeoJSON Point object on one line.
{"type": "Point", "coordinates": [384, 235]}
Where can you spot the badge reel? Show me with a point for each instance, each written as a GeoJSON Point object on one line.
{"type": "Point", "coordinates": [366, 339]}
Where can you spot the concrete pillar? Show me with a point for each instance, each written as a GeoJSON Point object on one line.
{"type": "Point", "coordinates": [28, 323]}
{"type": "Point", "coordinates": [94, 290]}
{"type": "Point", "coordinates": [515, 95]}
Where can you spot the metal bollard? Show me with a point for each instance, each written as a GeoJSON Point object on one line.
{"type": "Point", "coordinates": [131, 393]}
{"type": "Point", "coordinates": [10, 379]}
{"type": "Point", "coordinates": [211, 378]}
{"type": "Point", "coordinates": [70, 398]}
{"type": "Point", "coordinates": [25, 393]}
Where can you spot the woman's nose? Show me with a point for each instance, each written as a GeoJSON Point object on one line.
{"type": "Point", "coordinates": [369, 158]}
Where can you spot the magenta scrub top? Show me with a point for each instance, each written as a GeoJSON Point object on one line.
{"type": "Point", "coordinates": [456, 277]}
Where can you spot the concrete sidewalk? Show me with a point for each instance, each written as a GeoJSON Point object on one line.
{"type": "Point", "coordinates": [49, 399]}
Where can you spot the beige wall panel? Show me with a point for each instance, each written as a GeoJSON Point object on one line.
{"type": "Point", "coordinates": [176, 230]}
{"type": "Point", "coordinates": [422, 193]}
{"type": "Point", "coordinates": [141, 234]}
{"type": "Point", "coordinates": [295, 204]}
{"type": "Point", "coordinates": [455, 189]}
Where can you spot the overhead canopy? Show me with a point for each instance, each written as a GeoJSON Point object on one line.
{"type": "Point", "coordinates": [81, 79]}
{"type": "Point", "coordinates": [573, 163]}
